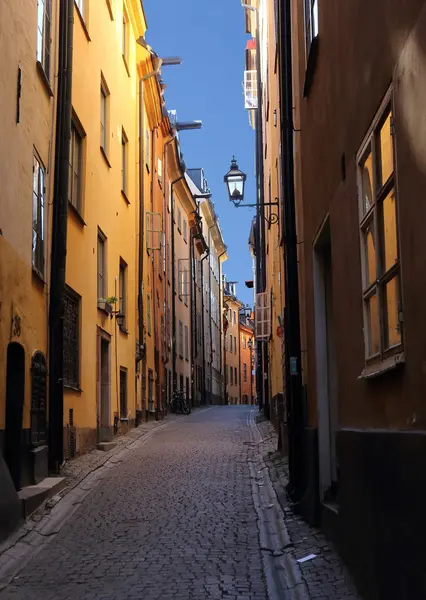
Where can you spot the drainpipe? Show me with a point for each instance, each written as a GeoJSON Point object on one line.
{"type": "Point", "coordinates": [221, 316]}
{"type": "Point", "coordinates": [211, 318]}
{"type": "Point", "coordinates": [141, 354]}
{"type": "Point", "coordinates": [59, 237]}
{"type": "Point", "coordinates": [203, 324]}
{"type": "Point", "coordinates": [293, 381]}
{"type": "Point", "coordinates": [174, 287]}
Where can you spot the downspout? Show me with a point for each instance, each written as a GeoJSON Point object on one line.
{"type": "Point", "coordinates": [165, 171]}
{"type": "Point", "coordinates": [211, 317]}
{"type": "Point", "coordinates": [154, 291]}
{"type": "Point", "coordinates": [261, 365]}
{"type": "Point", "coordinates": [141, 350]}
{"type": "Point", "coordinates": [203, 324]}
{"type": "Point", "coordinates": [239, 355]}
{"type": "Point", "coordinates": [59, 237]}
{"type": "Point", "coordinates": [220, 312]}
{"type": "Point", "coordinates": [295, 405]}
{"type": "Point", "coordinates": [174, 285]}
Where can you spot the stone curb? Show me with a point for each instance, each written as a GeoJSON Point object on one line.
{"type": "Point", "coordinates": [283, 575]}
{"type": "Point", "coordinates": [28, 541]}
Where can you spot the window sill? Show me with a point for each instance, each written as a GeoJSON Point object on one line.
{"type": "Point", "coordinates": [124, 330]}
{"type": "Point", "coordinates": [311, 67]}
{"type": "Point", "coordinates": [123, 193]}
{"type": "Point", "coordinates": [44, 78]}
{"type": "Point", "coordinates": [83, 23]}
{"type": "Point", "coordinates": [104, 311]}
{"type": "Point", "coordinates": [126, 65]}
{"type": "Point", "coordinates": [380, 368]}
{"type": "Point", "coordinates": [104, 154]}
{"type": "Point", "coordinates": [76, 214]}
{"type": "Point", "coordinates": [39, 276]}
{"type": "Point", "coordinates": [74, 388]}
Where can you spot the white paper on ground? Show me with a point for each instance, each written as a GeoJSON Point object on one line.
{"type": "Point", "coordinates": [305, 558]}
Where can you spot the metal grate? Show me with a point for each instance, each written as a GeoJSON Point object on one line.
{"type": "Point", "coordinates": [38, 399]}
{"type": "Point", "coordinates": [71, 339]}
{"type": "Point", "coordinates": [72, 438]}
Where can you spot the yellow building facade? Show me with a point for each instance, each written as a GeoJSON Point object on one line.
{"type": "Point", "coordinates": [101, 273]}
{"type": "Point", "coordinates": [28, 67]}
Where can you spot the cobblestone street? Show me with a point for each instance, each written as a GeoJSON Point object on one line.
{"type": "Point", "coordinates": [182, 510]}
{"type": "Point", "coordinates": [175, 519]}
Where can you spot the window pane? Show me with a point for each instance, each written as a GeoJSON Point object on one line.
{"type": "Point", "coordinates": [390, 246]}
{"type": "Point", "coordinates": [386, 150]}
{"type": "Point", "coordinates": [367, 184]}
{"type": "Point", "coordinates": [393, 330]}
{"type": "Point", "coordinates": [314, 18]}
{"type": "Point", "coordinates": [373, 325]}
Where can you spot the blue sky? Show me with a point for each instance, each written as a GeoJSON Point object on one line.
{"type": "Point", "coordinates": [209, 36]}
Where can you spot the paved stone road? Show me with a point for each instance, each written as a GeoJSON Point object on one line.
{"type": "Point", "coordinates": [174, 521]}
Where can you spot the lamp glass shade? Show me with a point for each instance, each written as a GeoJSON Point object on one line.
{"type": "Point", "coordinates": [235, 180]}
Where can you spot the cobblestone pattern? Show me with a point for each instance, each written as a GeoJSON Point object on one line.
{"type": "Point", "coordinates": [325, 576]}
{"type": "Point", "coordinates": [174, 521]}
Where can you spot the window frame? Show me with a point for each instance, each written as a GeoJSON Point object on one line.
{"type": "Point", "coordinates": [82, 8]}
{"type": "Point", "coordinates": [245, 372]}
{"type": "Point", "coordinates": [311, 18]}
{"type": "Point", "coordinates": [77, 132]}
{"type": "Point", "coordinates": [122, 293]}
{"type": "Point", "coordinates": [186, 343]}
{"type": "Point", "coordinates": [180, 333]}
{"type": "Point", "coordinates": [124, 398]}
{"type": "Point", "coordinates": [101, 276]}
{"type": "Point", "coordinates": [43, 46]}
{"type": "Point", "coordinates": [148, 314]}
{"type": "Point", "coordinates": [38, 220]}
{"type": "Point", "coordinates": [125, 42]}
{"type": "Point", "coordinates": [75, 344]}
{"type": "Point", "coordinates": [381, 190]}
{"type": "Point", "coordinates": [104, 118]}
{"type": "Point", "coordinates": [124, 163]}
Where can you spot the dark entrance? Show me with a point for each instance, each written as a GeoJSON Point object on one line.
{"type": "Point", "coordinates": [15, 390]}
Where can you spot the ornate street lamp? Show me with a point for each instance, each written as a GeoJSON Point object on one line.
{"type": "Point", "coordinates": [235, 181]}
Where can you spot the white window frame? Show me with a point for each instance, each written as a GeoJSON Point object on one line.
{"type": "Point", "coordinates": [75, 191]}
{"type": "Point", "coordinates": [44, 26]}
{"type": "Point", "coordinates": [38, 217]}
{"type": "Point", "coordinates": [372, 217]}
{"type": "Point", "coordinates": [263, 316]}
{"type": "Point", "coordinates": [250, 90]}
{"type": "Point", "coordinates": [154, 232]}
{"type": "Point", "coordinates": [311, 23]}
{"type": "Point", "coordinates": [104, 116]}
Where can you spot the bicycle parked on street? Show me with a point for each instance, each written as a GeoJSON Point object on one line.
{"type": "Point", "coordinates": [179, 403]}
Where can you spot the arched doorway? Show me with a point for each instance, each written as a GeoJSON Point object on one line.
{"type": "Point", "coordinates": [15, 390]}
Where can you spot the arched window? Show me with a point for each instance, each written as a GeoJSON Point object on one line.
{"type": "Point", "coordinates": [38, 399]}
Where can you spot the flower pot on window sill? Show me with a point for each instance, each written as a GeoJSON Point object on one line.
{"type": "Point", "coordinates": [104, 306]}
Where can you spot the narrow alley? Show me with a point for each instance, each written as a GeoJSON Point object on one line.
{"type": "Point", "coordinates": [175, 518]}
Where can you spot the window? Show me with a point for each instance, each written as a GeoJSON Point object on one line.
{"type": "Point", "coordinates": [124, 161]}
{"type": "Point", "coordinates": [75, 167]}
{"type": "Point", "coordinates": [38, 399]}
{"type": "Point", "coordinates": [44, 21]}
{"type": "Point", "coordinates": [379, 239]}
{"type": "Point", "coordinates": [39, 176]}
{"type": "Point", "coordinates": [230, 343]}
{"type": "Point", "coordinates": [71, 347]}
{"type": "Point", "coordinates": [81, 5]}
{"type": "Point", "coordinates": [125, 39]}
{"type": "Point", "coordinates": [184, 279]}
{"type": "Point", "coordinates": [244, 341]}
{"type": "Point", "coordinates": [147, 149]}
{"type": "Point", "coordinates": [235, 376]}
{"type": "Point", "coordinates": [185, 230]}
{"type": "Point", "coordinates": [122, 293]}
{"type": "Point", "coordinates": [181, 382]}
{"type": "Point", "coordinates": [263, 316]}
{"type": "Point", "coordinates": [123, 393]}
{"type": "Point", "coordinates": [179, 220]}
{"type": "Point", "coordinates": [160, 170]}
{"type": "Point", "coordinates": [104, 117]}
{"type": "Point", "coordinates": [235, 344]}
{"type": "Point", "coordinates": [186, 343]}
{"type": "Point", "coordinates": [181, 339]}
{"type": "Point", "coordinates": [245, 371]}
{"type": "Point", "coordinates": [235, 317]}
{"type": "Point", "coordinates": [154, 231]}
{"type": "Point", "coordinates": [148, 314]}
{"type": "Point", "coordinates": [101, 265]}
{"type": "Point", "coordinates": [311, 23]}
{"type": "Point", "coordinates": [231, 372]}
